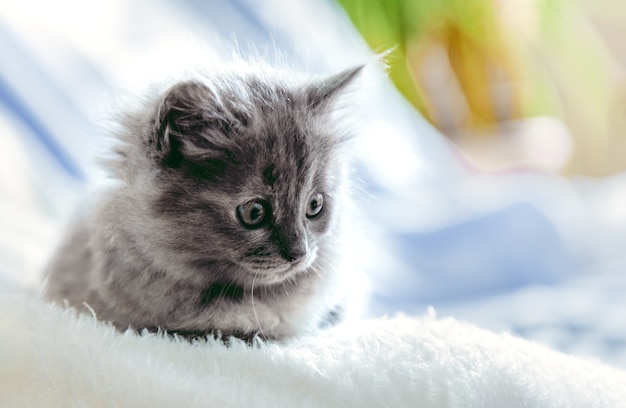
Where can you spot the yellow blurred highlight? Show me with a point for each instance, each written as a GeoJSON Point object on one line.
{"type": "Point", "coordinates": [472, 67]}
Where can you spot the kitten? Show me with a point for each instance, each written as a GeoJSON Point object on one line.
{"type": "Point", "coordinates": [228, 215]}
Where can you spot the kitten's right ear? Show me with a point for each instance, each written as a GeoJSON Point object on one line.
{"type": "Point", "coordinates": [325, 91]}
{"type": "Point", "coordinates": [181, 116]}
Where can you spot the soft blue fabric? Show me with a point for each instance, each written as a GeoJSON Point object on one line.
{"type": "Point", "coordinates": [498, 252]}
{"type": "Point", "coordinates": [24, 86]}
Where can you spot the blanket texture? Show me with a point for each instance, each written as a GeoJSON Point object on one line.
{"type": "Point", "coordinates": [50, 357]}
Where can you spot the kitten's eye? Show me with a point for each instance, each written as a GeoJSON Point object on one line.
{"type": "Point", "coordinates": [253, 213]}
{"type": "Point", "coordinates": [315, 205]}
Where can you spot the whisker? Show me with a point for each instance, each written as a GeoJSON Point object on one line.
{"type": "Point", "coordinates": [226, 287]}
{"type": "Point", "coordinates": [256, 316]}
{"type": "Point", "coordinates": [318, 273]}
{"type": "Point", "coordinates": [221, 294]}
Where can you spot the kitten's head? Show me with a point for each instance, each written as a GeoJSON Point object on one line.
{"type": "Point", "coordinates": [248, 175]}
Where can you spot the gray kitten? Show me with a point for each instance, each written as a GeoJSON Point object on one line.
{"type": "Point", "coordinates": [228, 215]}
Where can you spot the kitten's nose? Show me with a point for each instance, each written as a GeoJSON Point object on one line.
{"type": "Point", "coordinates": [292, 244]}
{"type": "Point", "coordinates": [294, 256]}
{"type": "Point", "coordinates": [293, 252]}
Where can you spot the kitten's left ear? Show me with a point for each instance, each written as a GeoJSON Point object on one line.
{"type": "Point", "coordinates": [190, 123]}
{"type": "Point", "coordinates": [321, 93]}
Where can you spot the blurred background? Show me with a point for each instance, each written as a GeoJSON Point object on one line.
{"type": "Point", "coordinates": [493, 156]}
{"type": "Point", "coordinates": [533, 82]}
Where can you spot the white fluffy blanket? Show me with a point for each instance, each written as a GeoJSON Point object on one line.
{"type": "Point", "coordinates": [51, 357]}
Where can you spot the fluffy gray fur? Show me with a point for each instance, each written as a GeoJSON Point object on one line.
{"type": "Point", "coordinates": [165, 249]}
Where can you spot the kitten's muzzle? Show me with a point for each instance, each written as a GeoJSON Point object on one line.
{"type": "Point", "coordinates": [295, 256]}
{"type": "Point", "coordinates": [291, 242]}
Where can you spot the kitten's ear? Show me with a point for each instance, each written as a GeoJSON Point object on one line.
{"type": "Point", "coordinates": [321, 93]}
{"type": "Point", "coordinates": [185, 111]}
